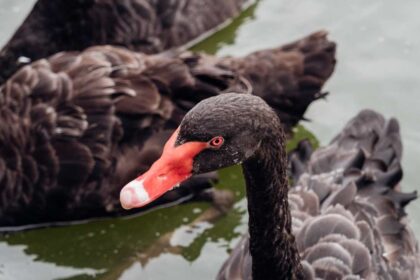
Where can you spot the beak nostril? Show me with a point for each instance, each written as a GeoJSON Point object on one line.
{"type": "Point", "coordinates": [162, 177]}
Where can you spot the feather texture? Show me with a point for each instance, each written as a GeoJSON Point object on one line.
{"type": "Point", "coordinates": [348, 221]}
{"type": "Point", "coordinates": [149, 26]}
{"type": "Point", "coordinates": [79, 125]}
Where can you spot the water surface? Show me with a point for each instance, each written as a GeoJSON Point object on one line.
{"type": "Point", "coordinates": [377, 68]}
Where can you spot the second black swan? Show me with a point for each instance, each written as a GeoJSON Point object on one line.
{"type": "Point", "coordinates": [77, 125]}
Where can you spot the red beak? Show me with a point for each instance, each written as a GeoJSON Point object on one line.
{"type": "Point", "coordinates": [173, 167]}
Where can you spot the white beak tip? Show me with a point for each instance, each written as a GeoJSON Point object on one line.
{"type": "Point", "coordinates": [134, 195]}
{"type": "Point", "coordinates": [125, 199]}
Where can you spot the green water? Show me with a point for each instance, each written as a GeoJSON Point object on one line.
{"type": "Point", "coordinates": [377, 68]}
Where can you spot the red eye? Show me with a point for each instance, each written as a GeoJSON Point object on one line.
{"type": "Point", "coordinates": [216, 142]}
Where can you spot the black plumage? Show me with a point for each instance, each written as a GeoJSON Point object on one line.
{"type": "Point", "coordinates": [148, 26]}
{"type": "Point", "coordinates": [347, 211]}
{"type": "Point", "coordinates": [78, 125]}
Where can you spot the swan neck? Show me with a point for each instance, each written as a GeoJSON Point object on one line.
{"type": "Point", "coordinates": [272, 244]}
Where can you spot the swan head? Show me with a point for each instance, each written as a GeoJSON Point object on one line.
{"type": "Point", "coordinates": [218, 132]}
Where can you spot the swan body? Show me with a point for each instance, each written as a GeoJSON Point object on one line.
{"type": "Point", "coordinates": [77, 125]}
{"type": "Point", "coordinates": [343, 218]}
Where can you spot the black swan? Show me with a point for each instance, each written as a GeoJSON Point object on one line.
{"type": "Point", "coordinates": [149, 26]}
{"type": "Point", "coordinates": [345, 217]}
{"type": "Point", "coordinates": [77, 125]}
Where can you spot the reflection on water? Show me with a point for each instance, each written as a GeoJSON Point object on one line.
{"type": "Point", "coordinates": [109, 248]}
{"type": "Point", "coordinates": [227, 35]}
{"type": "Point", "coordinates": [18, 265]}
{"type": "Point", "coordinates": [12, 13]}
{"type": "Point", "coordinates": [377, 68]}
